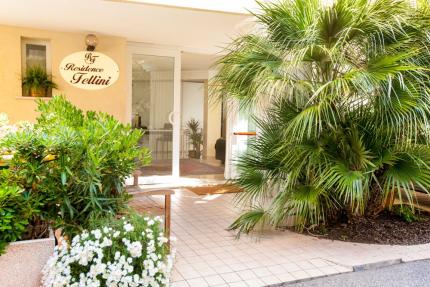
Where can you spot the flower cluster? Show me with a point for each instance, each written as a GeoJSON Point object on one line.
{"type": "Point", "coordinates": [5, 130]}
{"type": "Point", "coordinates": [126, 253]}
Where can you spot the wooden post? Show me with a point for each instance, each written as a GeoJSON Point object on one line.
{"type": "Point", "coordinates": [136, 190]}
{"type": "Point", "coordinates": [135, 178]}
{"type": "Point", "coordinates": [167, 207]}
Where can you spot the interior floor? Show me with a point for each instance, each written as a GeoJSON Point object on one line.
{"type": "Point", "coordinates": [188, 168]}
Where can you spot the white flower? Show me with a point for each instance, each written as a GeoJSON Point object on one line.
{"type": "Point", "coordinates": [128, 227]}
{"type": "Point", "coordinates": [154, 257]}
{"type": "Point", "coordinates": [84, 235]}
{"type": "Point", "coordinates": [163, 239]}
{"type": "Point", "coordinates": [4, 119]}
{"type": "Point", "coordinates": [97, 233]}
{"type": "Point", "coordinates": [114, 257]}
{"type": "Point", "coordinates": [135, 249]}
{"type": "Point", "coordinates": [106, 242]}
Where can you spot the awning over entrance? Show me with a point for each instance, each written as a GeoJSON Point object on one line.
{"type": "Point", "coordinates": [190, 30]}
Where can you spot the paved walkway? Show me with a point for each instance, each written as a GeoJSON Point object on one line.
{"type": "Point", "coordinates": [208, 255]}
{"type": "Point", "coordinates": [412, 274]}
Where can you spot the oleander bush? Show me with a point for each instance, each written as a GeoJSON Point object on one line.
{"type": "Point", "coordinates": [16, 212]}
{"type": "Point", "coordinates": [131, 251]}
{"type": "Point", "coordinates": [5, 130]}
{"type": "Point", "coordinates": [342, 99]}
{"type": "Point", "coordinates": [73, 164]}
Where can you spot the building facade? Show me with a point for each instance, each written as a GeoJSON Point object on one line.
{"type": "Point", "coordinates": [161, 73]}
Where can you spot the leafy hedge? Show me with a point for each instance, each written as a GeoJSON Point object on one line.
{"type": "Point", "coordinates": [15, 213]}
{"type": "Point", "coordinates": [73, 164]}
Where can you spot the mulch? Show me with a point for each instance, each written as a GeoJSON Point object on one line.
{"type": "Point", "coordinates": [385, 229]}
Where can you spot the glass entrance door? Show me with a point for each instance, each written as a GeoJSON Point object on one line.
{"type": "Point", "coordinates": [152, 109]}
{"type": "Point", "coordinates": [240, 129]}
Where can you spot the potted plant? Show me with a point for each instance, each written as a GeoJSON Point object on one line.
{"type": "Point", "coordinates": [37, 82]}
{"type": "Point", "coordinates": [196, 138]}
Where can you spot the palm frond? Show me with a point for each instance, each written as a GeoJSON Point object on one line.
{"type": "Point", "coordinates": [346, 94]}
{"type": "Point", "coordinates": [250, 220]}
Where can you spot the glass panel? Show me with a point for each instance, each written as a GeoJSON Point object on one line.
{"type": "Point", "coordinates": [245, 123]}
{"type": "Point", "coordinates": [35, 55]}
{"type": "Point", "coordinates": [152, 108]}
{"type": "Point", "coordinates": [240, 120]}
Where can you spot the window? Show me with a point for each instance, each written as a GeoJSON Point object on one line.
{"type": "Point", "coordinates": [35, 52]}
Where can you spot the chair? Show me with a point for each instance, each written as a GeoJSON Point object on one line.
{"type": "Point", "coordinates": [165, 139]}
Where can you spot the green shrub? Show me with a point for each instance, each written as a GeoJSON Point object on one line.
{"type": "Point", "coordinates": [15, 214]}
{"type": "Point", "coordinates": [74, 164]}
{"type": "Point", "coordinates": [406, 213]}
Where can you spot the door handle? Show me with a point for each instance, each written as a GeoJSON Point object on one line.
{"type": "Point", "coordinates": [171, 119]}
{"type": "Point", "coordinates": [245, 133]}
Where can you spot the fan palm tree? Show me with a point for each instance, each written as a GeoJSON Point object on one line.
{"type": "Point", "coordinates": [344, 90]}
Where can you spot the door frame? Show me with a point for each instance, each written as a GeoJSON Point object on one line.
{"type": "Point", "coordinates": [163, 51]}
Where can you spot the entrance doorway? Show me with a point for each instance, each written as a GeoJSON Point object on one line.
{"type": "Point", "coordinates": [197, 153]}
{"type": "Point", "coordinates": [154, 107]}
{"type": "Point", "coordinates": [181, 125]}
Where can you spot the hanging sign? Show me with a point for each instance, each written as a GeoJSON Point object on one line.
{"type": "Point", "coordinates": [89, 70]}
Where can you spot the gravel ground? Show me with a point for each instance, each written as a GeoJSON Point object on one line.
{"type": "Point", "coordinates": [412, 274]}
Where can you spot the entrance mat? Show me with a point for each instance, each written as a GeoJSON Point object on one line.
{"type": "Point", "coordinates": [214, 189]}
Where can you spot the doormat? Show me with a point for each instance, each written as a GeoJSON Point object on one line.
{"type": "Point", "coordinates": [214, 189]}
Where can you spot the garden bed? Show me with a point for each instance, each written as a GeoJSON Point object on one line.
{"type": "Point", "coordinates": [385, 229]}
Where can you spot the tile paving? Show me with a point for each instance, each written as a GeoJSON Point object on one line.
{"type": "Point", "coordinates": [209, 255]}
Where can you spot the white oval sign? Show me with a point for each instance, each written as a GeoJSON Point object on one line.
{"type": "Point", "coordinates": [89, 70]}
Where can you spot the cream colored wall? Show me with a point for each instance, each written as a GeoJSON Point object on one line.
{"type": "Point", "coordinates": [213, 126]}
{"type": "Point", "coordinates": [111, 100]}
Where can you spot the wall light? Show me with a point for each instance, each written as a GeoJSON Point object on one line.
{"type": "Point", "coordinates": [91, 41]}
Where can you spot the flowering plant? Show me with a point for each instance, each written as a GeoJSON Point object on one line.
{"type": "Point", "coordinates": [127, 252]}
{"type": "Point", "coordinates": [74, 163]}
{"type": "Point", "coordinates": [5, 130]}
